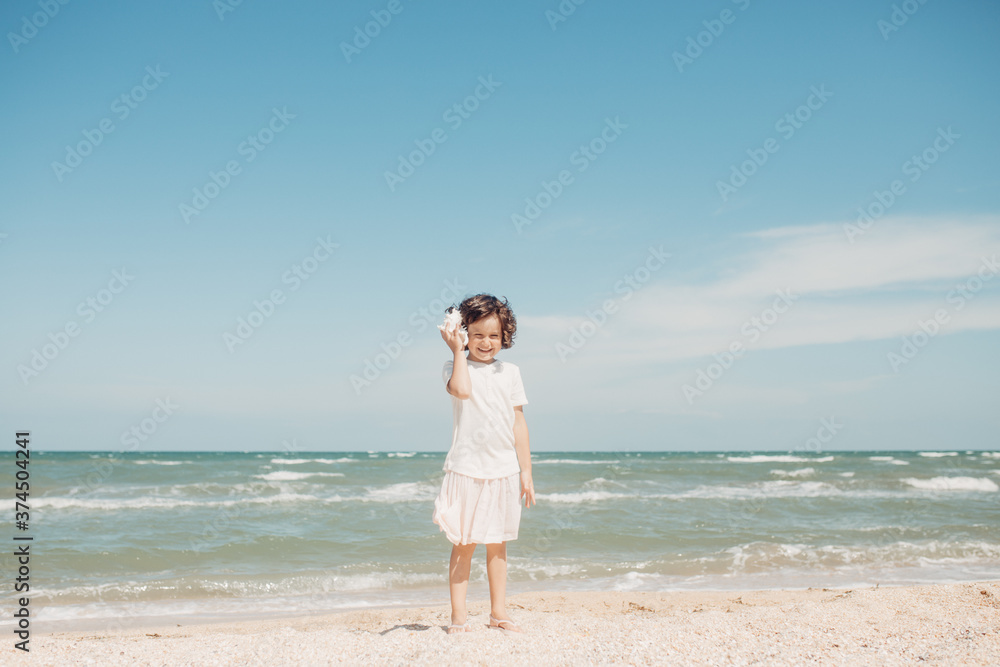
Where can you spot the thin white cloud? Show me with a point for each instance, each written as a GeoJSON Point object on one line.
{"type": "Point", "coordinates": [898, 273]}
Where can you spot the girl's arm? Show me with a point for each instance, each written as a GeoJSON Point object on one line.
{"type": "Point", "coordinates": [523, 456]}
{"type": "Point", "coordinates": [460, 385]}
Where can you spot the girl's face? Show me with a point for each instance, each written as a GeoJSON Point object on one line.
{"type": "Point", "coordinates": [484, 339]}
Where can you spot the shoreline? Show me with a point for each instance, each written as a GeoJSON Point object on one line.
{"type": "Point", "coordinates": [479, 590]}
{"type": "Point", "coordinates": [939, 623]}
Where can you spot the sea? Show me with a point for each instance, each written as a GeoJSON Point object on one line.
{"type": "Point", "coordinates": [133, 538]}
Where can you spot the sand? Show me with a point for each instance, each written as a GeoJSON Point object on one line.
{"type": "Point", "coordinates": [951, 624]}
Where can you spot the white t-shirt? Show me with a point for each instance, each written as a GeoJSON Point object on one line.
{"type": "Point", "coordinates": [482, 440]}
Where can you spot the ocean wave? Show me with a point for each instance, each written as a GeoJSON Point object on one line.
{"type": "Point", "coordinates": [161, 463]}
{"type": "Point", "coordinates": [292, 462]}
{"type": "Point", "coordinates": [289, 476]}
{"type": "Point", "coordinates": [631, 581]}
{"type": "Point", "coordinates": [761, 556]}
{"type": "Point", "coordinates": [780, 488]}
{"type": "Point", "coordinates": [953, 484]}
{"type": "Point", "coordinates": [778, 458]}
{"type": "Point", "coordinates": [601, 481]}
{"type": "Point", "coordinates": [990, 455]}
{"type": "Point", "coordinates": [769, 489]}
{"type": "Point", "coordinates": [258, 588]}
{"type": "Point", "coordinates": [535, 570]}
{"type": "Point", "coordinates": [889, 459]}
{"type": "Point", "coordinates": [402, 492]}
{"type": "Point", "coordinates": [936, 455]}
{"type": "Point", "coordinates": [394, 493]}
{"type": "Point", "coordinates": [583, 496]}
{"type": "Point", "coordinates": [801, 472]}
{"type": "Point", "coordinates": [60, 503]}
{"type": "Point", "coordinates": [401, 455]}
{"type": "Point", "coordinates": [578, 461]}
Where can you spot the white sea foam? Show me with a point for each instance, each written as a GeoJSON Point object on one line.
{"type": "Point", "coordinates": [990, 455]}
{"type": "Point", "coordinates": [601, 481]}
{"type": "Point", "coordinates": [631, 581]}
{"type": "Point", "coordinates": [889, 459]}
{"type": "Point", "coordinates": [160, 463]}
{"type": "Point", "coordinates": [767, 458]}
{"type": "Point", "coordinates": [846, 474]}
{"type": "Point", "coordinates": [937, 455]}
{"type": "Point", "coordinates": [289, 476]}
{"type": "Point", "coordinates": [778, 458]}
{"type": "Point", "coordinates": [953, 484]}
{"type": "Point", "coordinates": [583, 496]}
{"type": "Point", "coordinates": [801, 472]}
{"type": "Point", "coordinates": [225, 594]}
{"type": "Point", "coordinates": [292, 462]}
{"type": "Point", "coordinates": [401, 455]}
{"type": "Point", "coordinates": [171, 503]}
{"type": "Point", "coordinates": [781, 488]}
{"type": "Point", "coordinates": [771, 489]}
{"type": "Point", "coordinates": [778, 556]}
{"type": "Point", "coordinates": [402, 492]}
{"type": "Point", "coordinates": [534, 461]}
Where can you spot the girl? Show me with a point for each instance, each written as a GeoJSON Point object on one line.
{"type": "Point", "coordinates": [479, 502]}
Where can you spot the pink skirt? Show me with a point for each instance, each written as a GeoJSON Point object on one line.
{"type": "Point", "coordinates": [478, 511]}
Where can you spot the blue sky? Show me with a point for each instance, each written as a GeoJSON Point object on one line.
{"type": "Point", "coordinates": [692, 192]}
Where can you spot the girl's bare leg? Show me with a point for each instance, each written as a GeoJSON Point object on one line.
{"type": "Point", "coordinates": [458, 579]}
{"type": "Point", "coordinates": [496, 572]}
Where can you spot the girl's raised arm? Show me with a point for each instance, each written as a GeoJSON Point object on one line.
{"type": "Point", "coordinates": [460, 385]}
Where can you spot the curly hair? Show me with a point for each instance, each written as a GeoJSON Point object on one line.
{"type": "Point", "coordinates": [479, 306]}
